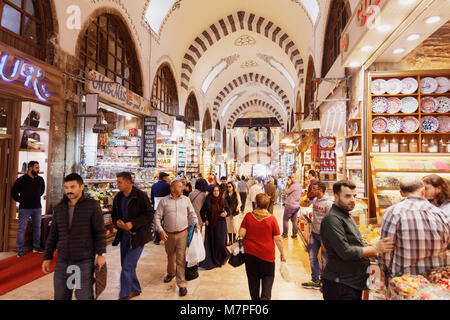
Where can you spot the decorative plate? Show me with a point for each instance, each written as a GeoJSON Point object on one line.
{"type": "Point", "coordinates": [443, 84]}
{"type": "Point", "coordinates": [395, 124]}
{"type": "Point", "coordinates": [428, 104]}
{"type": "Point", "coordinates": [409, 85]}
{"type": "Point", "coordinates": [324, 142]}
{"type": "Point", "coordinates": [378, 86]}
{"type": "Point", "coordinates": [379, 104]}
{"type": "Point", "coordinates": [394, 86]}
{"type": "Point", "coordinates": [379, 124]}
{"type": "Point", "coordinates": [394, 105]}
{"type": "Point", "coordinates": [409, 104]}
{"type": "Point", "coordinates": [428, 85]}
{"type": "Point", "coordinates": [443, 104]}
{"type": "Point", "coordinates": [355, 128]}
{"type": "Point", "coordinates": [444, 124]}
{"type": "Point", "coordinates": [355, 145]}
{"type": "Point", "coordinates": [331, 143]}
{"type": "Point", "coordinates": [350, 146]}
{"type": "Point", "coordinates": [410, 124]}
{"type": "Point", "coordinates": [429, 124]}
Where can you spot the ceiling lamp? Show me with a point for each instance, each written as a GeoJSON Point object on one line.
{"type": "Point", "coordinates": [353, 64]}
{"type": "Point", "coordinates": [398, 51]}
{"type": "Point", "coordinates": [413, 37]}
{"type": "Point", "coordinates": [366, 48]}
{"type": "Point", "coordinates": [433, 19]}
{"type": "Point", "coordinates": [406, 2]}
{"type": "Point", "coordinates": [384, 28]}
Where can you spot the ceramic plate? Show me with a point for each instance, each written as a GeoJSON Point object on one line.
{"type": "Point", "coordinates": [355, 128]}
{"type": "Point", "coordinates": [409, 85]}
{"type": "Point", "coordinates": [410, 124]}
{"type": "Point", "coordinates": [428, 104]}
{"type": "Point", "coordinates": [428, 85]}
{"type": "Point", "coordinates": [394, 86]}
{"type": "Point", "coordinates": [324, 143]}
{"type": "Point", "coordinates": [394, 105]}
{"type": "Point", "coordinates": [409, 104]}
{"type": "Point", "coordinates": [443, 84]}
{"type": "Point", "coordinates": [355, 145]}
{"type": "Point", "coordinates": [379, 104]}
{"type": "Point", "coordinates": [378, 86]}
{"type": "Point", "coordinates": [429, 124]}
{"type": "Point", "coordinates": [379, 124]}
{"type": "Point", "coordinates": [443, 104]}
{"type": "Point", "coordinates": [350, 146]}
{"type": "Point", "coordinates": [395, 124]}
{"type": "Point", "coordinates": [444, 124]}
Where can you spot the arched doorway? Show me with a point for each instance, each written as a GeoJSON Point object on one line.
{"type": "Point", "coordinates": [106, 47]}
{"type": "Point", "coordinates": [310, 89]}
{"type": "Point", "coordinates": [191, 114]}
{"type": "Point", "coordinates": [207, 126]}
{"type": "Point", "coordinates": [164, 91]}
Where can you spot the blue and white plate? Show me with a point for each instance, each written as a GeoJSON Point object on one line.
{"type": "Point", "coordinates": [429, 124]}
{"type": "Point", "coordinates": [379, 105]}
{"type": "Point", "coordinates": [443, 104]}
{"type": "Point", "coordinates": [395, 124]}
{"type": "Point", "coordinates": [428, 85]}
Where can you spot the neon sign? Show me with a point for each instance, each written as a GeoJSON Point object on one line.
{"type": "Point", "coordinates": [366, 9]}
{"type": "Point", "coordinates": [12, 68]}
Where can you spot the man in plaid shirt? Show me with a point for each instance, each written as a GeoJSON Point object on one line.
{"type": "Point", "coordinates": [421, 233]}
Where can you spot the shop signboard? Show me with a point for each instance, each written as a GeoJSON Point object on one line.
{"type": "Point", "coordinates": [327, 157]}
{"type": "Point", "coordinates": [149, 142]}
{"type": "Point", "coordinates": [116, 93]}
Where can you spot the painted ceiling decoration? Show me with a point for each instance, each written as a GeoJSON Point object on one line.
{"type": "Point", "coordinates": [249, 64]}
{"type": "Point", "coordinates": [244, 40]}
{"type": "Point", "coordinates": [222, 65]}
{"type": "Point", "coordinates": [250, 78]}
{"type": "Point", "coordinates": [259, 104]}
{"type": "Point", "coordinates": [238, 21]}
{"type": "Point", "coordinates": [311, 7]}
{"type": "Point", "coordinates": [278, 66]}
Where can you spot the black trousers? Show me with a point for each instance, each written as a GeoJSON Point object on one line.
{"type": "Point", "coordinates": [259, 272]}
{"type": "Point", "coordinates": [243, 199]}
{"type": "Point", "coordinates": [338, 291]}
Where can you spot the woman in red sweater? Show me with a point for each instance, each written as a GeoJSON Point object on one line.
{"type": "Point", "coordinates": [261, 232]}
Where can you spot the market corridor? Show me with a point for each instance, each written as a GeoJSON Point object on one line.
{"type": "Point", "coordinates": [226, 283]}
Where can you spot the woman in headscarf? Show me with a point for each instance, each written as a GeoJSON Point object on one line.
{"type": "Point", "coordinates": [198, 197]}
{"type": "Point", "coordinates": [233, 200]}
{"type": "Point", "coordinates": [213, 213]}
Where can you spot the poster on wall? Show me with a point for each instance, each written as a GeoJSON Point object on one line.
{"type": "Point", "coordinates": [166, 156]}
{"type": "Point", "coordinates": [149, 142]}
{"type": "Point", "coordinates": [327, 157]}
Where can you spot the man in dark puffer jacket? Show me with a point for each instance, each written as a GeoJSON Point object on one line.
{"type": "Point", "coordinates": [78, 232]}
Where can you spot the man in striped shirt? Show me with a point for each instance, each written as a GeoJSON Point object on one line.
{"type": "Point", "coordinates": [421, 233]}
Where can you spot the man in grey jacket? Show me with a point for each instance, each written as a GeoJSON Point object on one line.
{"type": "Point", "coordinates": [322, 203]}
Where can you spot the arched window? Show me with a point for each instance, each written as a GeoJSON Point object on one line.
{"type": "Point", "coordinates": [224, 140]}
{"type": "Point", "coordinates": [292, 120]}
{"type": "Point", "coordinates": [164, 93]}
{"type": "Point", "coordinates": [107, 47]}
{"type": "Point", "coordinates": [337, 20]}
{"type": "Point", "coordinates": [217, 133]}
{"type": "Point", "coordinates": [310, 89]}
{"type": "Point", "coordinates": [191, 113]}
{"type": "Point", "coordinates": [24, 27]}
{"type": "Point", "coordinates": [207, 124]}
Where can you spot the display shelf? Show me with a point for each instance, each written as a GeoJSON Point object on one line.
{"type": "Point", "coordinates": [353, 153]}
{"type": "Point", "coordinates": [395, 95]}
{"type": "Point", "coordinates": [394, 114]}
{"type": "Point", "coordinates": [33, 128]}
{"type": "Point", "coordinates": [353, 136]}
{"type": "Point", "coordinates": [354, 119]}
{"type": "Point", "coordinates": [31, 150]}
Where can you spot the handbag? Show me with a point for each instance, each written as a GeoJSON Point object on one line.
{"type": "Point", "coordinates": [237, 257]}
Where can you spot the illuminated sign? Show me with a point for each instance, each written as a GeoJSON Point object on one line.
{"type": "Point", "coordinates": [367, 9]}
{"type": "Point", "coordinates": [12, 68]}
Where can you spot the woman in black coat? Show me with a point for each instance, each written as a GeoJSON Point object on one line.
{"type": "Point", "coordinates": [213, 213]}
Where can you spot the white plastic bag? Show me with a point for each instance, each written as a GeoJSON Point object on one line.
{"type": "Point", "coordinates": [196, 250]}
{"type": "Point", "coordinates": [285, 273]}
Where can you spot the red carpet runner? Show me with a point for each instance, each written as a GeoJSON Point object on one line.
{"type": "Point", "coordinates": [16, 272]}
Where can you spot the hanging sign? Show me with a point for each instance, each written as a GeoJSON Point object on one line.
{"type": "Point", "coordinates": [149, 142]}
{"type": "Point", "coordinates": [327, 156]}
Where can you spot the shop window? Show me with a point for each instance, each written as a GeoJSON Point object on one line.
{"type": "Point", "coordinates": [337, 20]}
{"type": "Point", "coordinates": [108, 44]}
{"type": "Point", "coordinates": [164, 92]}
{"type": "Point", "coordinates": [23, 26]}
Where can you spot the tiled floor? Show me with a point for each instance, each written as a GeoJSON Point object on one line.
{"type": "Point", "coordinates": [225, 283]}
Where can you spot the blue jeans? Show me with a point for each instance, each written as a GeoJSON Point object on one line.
{"type": "Point", "coordinates": [129, 258]}
{"type": "Point", "coordinates": [313, 250]}
{"type": "Point", "coordinates": [24, 216]}
{"type": "Point", "coordinates": [290, 213]}
{"type": "Point", "coordinates": [83, 289]}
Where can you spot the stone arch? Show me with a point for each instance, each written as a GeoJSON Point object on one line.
{"type": "Point", "coordinates": [240, 20]}
{"type": "Point", "coordinates": [206, 123]}
{"type": "Point", "coordinates": [191, 110]}
{"type": "Point", "coordinates": [310, 88]}
{"type": "Point", "coordinates": [251, 103]}
{"type": "Point", "coordinates": [245, 78]}
{"type": "Point", "coordinates": [164, 77]}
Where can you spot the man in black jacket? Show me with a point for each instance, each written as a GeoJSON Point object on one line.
{"type": "Point", "coordinates": [78, 232]}
{"type": "Point", "coordinates": [132, 216]}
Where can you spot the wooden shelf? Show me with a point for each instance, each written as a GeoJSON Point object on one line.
{"type": "Point", "coordinates": [395, 95]}
{"type": "Point", "coordinates": [435, 133]}
{"type": "Point", "coordinates": [355, 119]}
{"type": "Point", "coordinates": [354, 136]}
{"type": "Point", "coordinates": [353, 153]}
{"type": "Point", "coordinates": [385, 133]}
{"type": "Point", "coordinates": [33, 128]}
{"type": "Point", "coordinates": [393, 114]}
{"type": "Point", "coordinates": [26, 173]}
{"type": "Point", "coordinates": [435, 94]}
{"type": "Point", "coordinates": [31, 150]}
{"type": "Point", "coordinates": [436, 114]}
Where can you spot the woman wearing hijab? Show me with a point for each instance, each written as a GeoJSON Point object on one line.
{"type": "Point", "coordinates": [198, 197]}
{"type": "Point", "coordinates": [437, 191]}
{"type": "Point", "coordinates": [233, 200]}
{"type": "Point", "coordinates": [261, 233]}
{"type": "Point", "coordinates": [214, 212]}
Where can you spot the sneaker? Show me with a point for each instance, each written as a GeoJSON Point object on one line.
{"type": "Point", "coordinates": [20, 255]}
{"type": "Point", "coordinates": [38, 251]}
{"type": "Point", "coordinates": [312, 285]}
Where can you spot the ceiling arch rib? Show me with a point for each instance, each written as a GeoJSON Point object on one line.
{"type": "Point", "coordinates": [252, 103]}
{"type": "Point", "coordinates": [246, 78]}
{"type": "Point", "coordinates": [240, 20]}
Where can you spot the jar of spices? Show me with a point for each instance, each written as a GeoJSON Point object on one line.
{"type": "Point", "coordinates": [375, 145]}
{"type": "Point", "coordinates": [403, 145]}
{"type": "Point", "coordinates": [424, 145]}
{"type": "Point", "coordinates": [393, 145]}
{"type": "Point", "coordinates": [384, 147]}
{"type": "Point", "coordinates": [413, 145]}
{"type": "Point", "coordinates": [432, 146]}
{"type": "Point", "coordinates": [442, 146]}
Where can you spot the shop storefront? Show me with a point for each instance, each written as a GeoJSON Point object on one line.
{"type": "Point", "coordinates": [30, 89]}
{"type": "Point", "coordinates": [166, 143]}
{"type": "Point", "coordinates": [193, 148]}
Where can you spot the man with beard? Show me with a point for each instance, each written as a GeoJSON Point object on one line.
{"type": "Point", "coordinates": [345, 274]}
{"type": "Point", "coordinates": [78, 232]}
{"type": "Point", "coordinates": [28, 190]}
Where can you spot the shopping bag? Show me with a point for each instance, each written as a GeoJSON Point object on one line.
{"type": "Point", "coordinates": [196, 250]}
{"type": "Point", "coordinates": [237, 254]}
{"type": "Point", "coordinates": [100, 278]}
{"type": "Point", "coordinates": [285, 273]}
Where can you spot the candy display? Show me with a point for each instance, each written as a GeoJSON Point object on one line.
{"type": "Point", "coordinates": [440, 276]}
{"type": "Point", "coordinates": [407, 286]}
{"type": "Point", "coordinates": [370, 233]}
